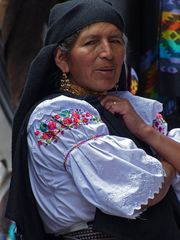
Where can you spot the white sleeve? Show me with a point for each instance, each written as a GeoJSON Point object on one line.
{"type": "Point", "coordinates": [145, 107]}
{"type": "Point", "coordinates": [114, 175]}
{"type": "Point", "coordinates": [110, 172]}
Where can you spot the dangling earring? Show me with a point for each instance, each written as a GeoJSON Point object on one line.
{"type": "Point", "coordinates": [65, 82]}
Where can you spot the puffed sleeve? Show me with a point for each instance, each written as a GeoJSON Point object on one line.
{"type": "Point", "coordinates": [110, 172]}
{"type": "Point", "coordinates": [145, 107]}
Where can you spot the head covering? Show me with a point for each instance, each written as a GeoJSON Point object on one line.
{"type": "Point", "coordinates": [71, 16]}
{"type": "Point", "coordinates": [64, 20]}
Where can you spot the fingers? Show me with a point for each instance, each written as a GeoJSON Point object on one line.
{"type": "Point", "coordinates": [110, 105]}
{"type": "Point", "coordinates": [115, 104]}
{"type": "Point", "coordinates": [109, 99]}
{"type": "Point", "coordinates": [123, 107]}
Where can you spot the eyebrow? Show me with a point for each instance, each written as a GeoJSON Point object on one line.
{"type": "Point", "coordinates": [115, 35]}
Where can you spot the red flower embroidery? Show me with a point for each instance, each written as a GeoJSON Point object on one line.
{"type": "Point", "coordinates": [76, 120]}
{"type": "Point", "coordinates": [37, 132]}
{"type": "Point", "coordinates": [45, 136]}
{"type": "Point", "coordinates": [39, 143]}
{"type": "Point", "coordinates": [51, 125]}
{"type": "Point", "coordinates": [75, 115]}
{"type": "Point", "coordinates": [57, 116]}
{"type": "Point", "coordinates": [67, 121]}
{"type": "Point", "coordinates": [159, 116]}
{"type": "Point", "coordinates": [85, 120]}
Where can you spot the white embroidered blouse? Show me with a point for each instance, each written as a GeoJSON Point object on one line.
{"type": "Point", "coordinates": [75, 165]}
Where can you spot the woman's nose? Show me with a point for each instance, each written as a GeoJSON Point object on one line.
{"type": "Point", "coordinates": [106, 50]}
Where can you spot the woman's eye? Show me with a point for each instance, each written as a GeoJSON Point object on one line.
{"type": "Point", "coordinates": [90, 42]}
{"type": "Point", "coordinates": [118, 41]}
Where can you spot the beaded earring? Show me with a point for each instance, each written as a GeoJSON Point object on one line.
{"type": "Point", "coordinates": [65, 82]}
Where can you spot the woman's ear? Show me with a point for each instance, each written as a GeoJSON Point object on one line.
{"type": "Point", "coordinates": [61, 60]}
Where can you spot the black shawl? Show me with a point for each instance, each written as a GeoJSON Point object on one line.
{"type": "Point", "coordinates": [150, 226]}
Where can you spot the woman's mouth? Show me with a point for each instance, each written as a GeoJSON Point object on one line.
{"type": "Point", "coordinates": [106, 71]}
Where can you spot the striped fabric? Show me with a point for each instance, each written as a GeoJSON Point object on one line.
{"type": "Point", "coordinates": [88, 234]}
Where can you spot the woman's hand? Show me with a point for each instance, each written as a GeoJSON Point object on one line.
{"type": "Point", "coordinates": [166, 148]}
{"type": "Point", "coordinates": [123, 107]}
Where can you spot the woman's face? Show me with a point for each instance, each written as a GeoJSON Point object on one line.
{"type": "Point", "coordinates": [96, 58]}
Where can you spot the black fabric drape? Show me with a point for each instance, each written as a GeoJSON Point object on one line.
{"type": "Point", "coordinates": [152, 28]}
{"type": "Point", "coordinates": [142, 28]}
{"type": "Point", "coordinates": [151, 224]}
{"type": "Point", "coordinates": [22, 206]}
{"type": "Point", "coordinates": [157, 223]}
{"type": "Point", "coordinates": [116, 124]}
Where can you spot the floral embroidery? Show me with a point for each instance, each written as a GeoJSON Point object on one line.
{"type": "Point", "coordinates": [160, 124]}
{"type": "Point", "coordinates": [58, 123]}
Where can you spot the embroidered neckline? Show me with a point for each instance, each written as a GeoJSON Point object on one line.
{"type": "Point", "coordinates": [80, 91]}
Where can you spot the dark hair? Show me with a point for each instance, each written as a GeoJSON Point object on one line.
{"type": "Point", "coordinates": [66, 45]}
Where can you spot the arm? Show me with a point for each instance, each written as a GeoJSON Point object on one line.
{"type": "Point", "coordinates": [149, 135]}
{"type": "Point", "coordinates": [104, 169]}
{"type": "Point", "coordinates": [167, 148]}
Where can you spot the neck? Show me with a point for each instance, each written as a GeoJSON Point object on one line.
{"type": "Point", "coordinates": [80, 91]}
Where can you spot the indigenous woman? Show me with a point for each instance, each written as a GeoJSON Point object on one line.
{"type": "Point", "coordinates": [87, 161]}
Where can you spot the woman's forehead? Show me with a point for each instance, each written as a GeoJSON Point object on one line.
{"type": "Point", "coordinates": [99, 28]}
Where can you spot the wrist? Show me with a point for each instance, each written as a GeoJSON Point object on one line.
{"type": "Point", "coordinates": [148, 134]}
{"type": "Point", "coordinates": [169, 169]}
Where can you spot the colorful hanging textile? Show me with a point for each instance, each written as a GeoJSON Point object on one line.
{"type": "Point", "coordinates": [169, 48]}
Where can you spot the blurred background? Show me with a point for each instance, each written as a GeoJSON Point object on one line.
{"type": "Point", "coordinates": [153, 57]}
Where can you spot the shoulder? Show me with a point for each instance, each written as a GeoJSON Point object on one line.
{"type": "Point", "coordinates": [61, 104]}
{"type": "Point", "coordinates": [145, 107]}
{"type": "Point", "coordinates": [62, 117]}
{"type": "Point", "coordinates": [140, 101]}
